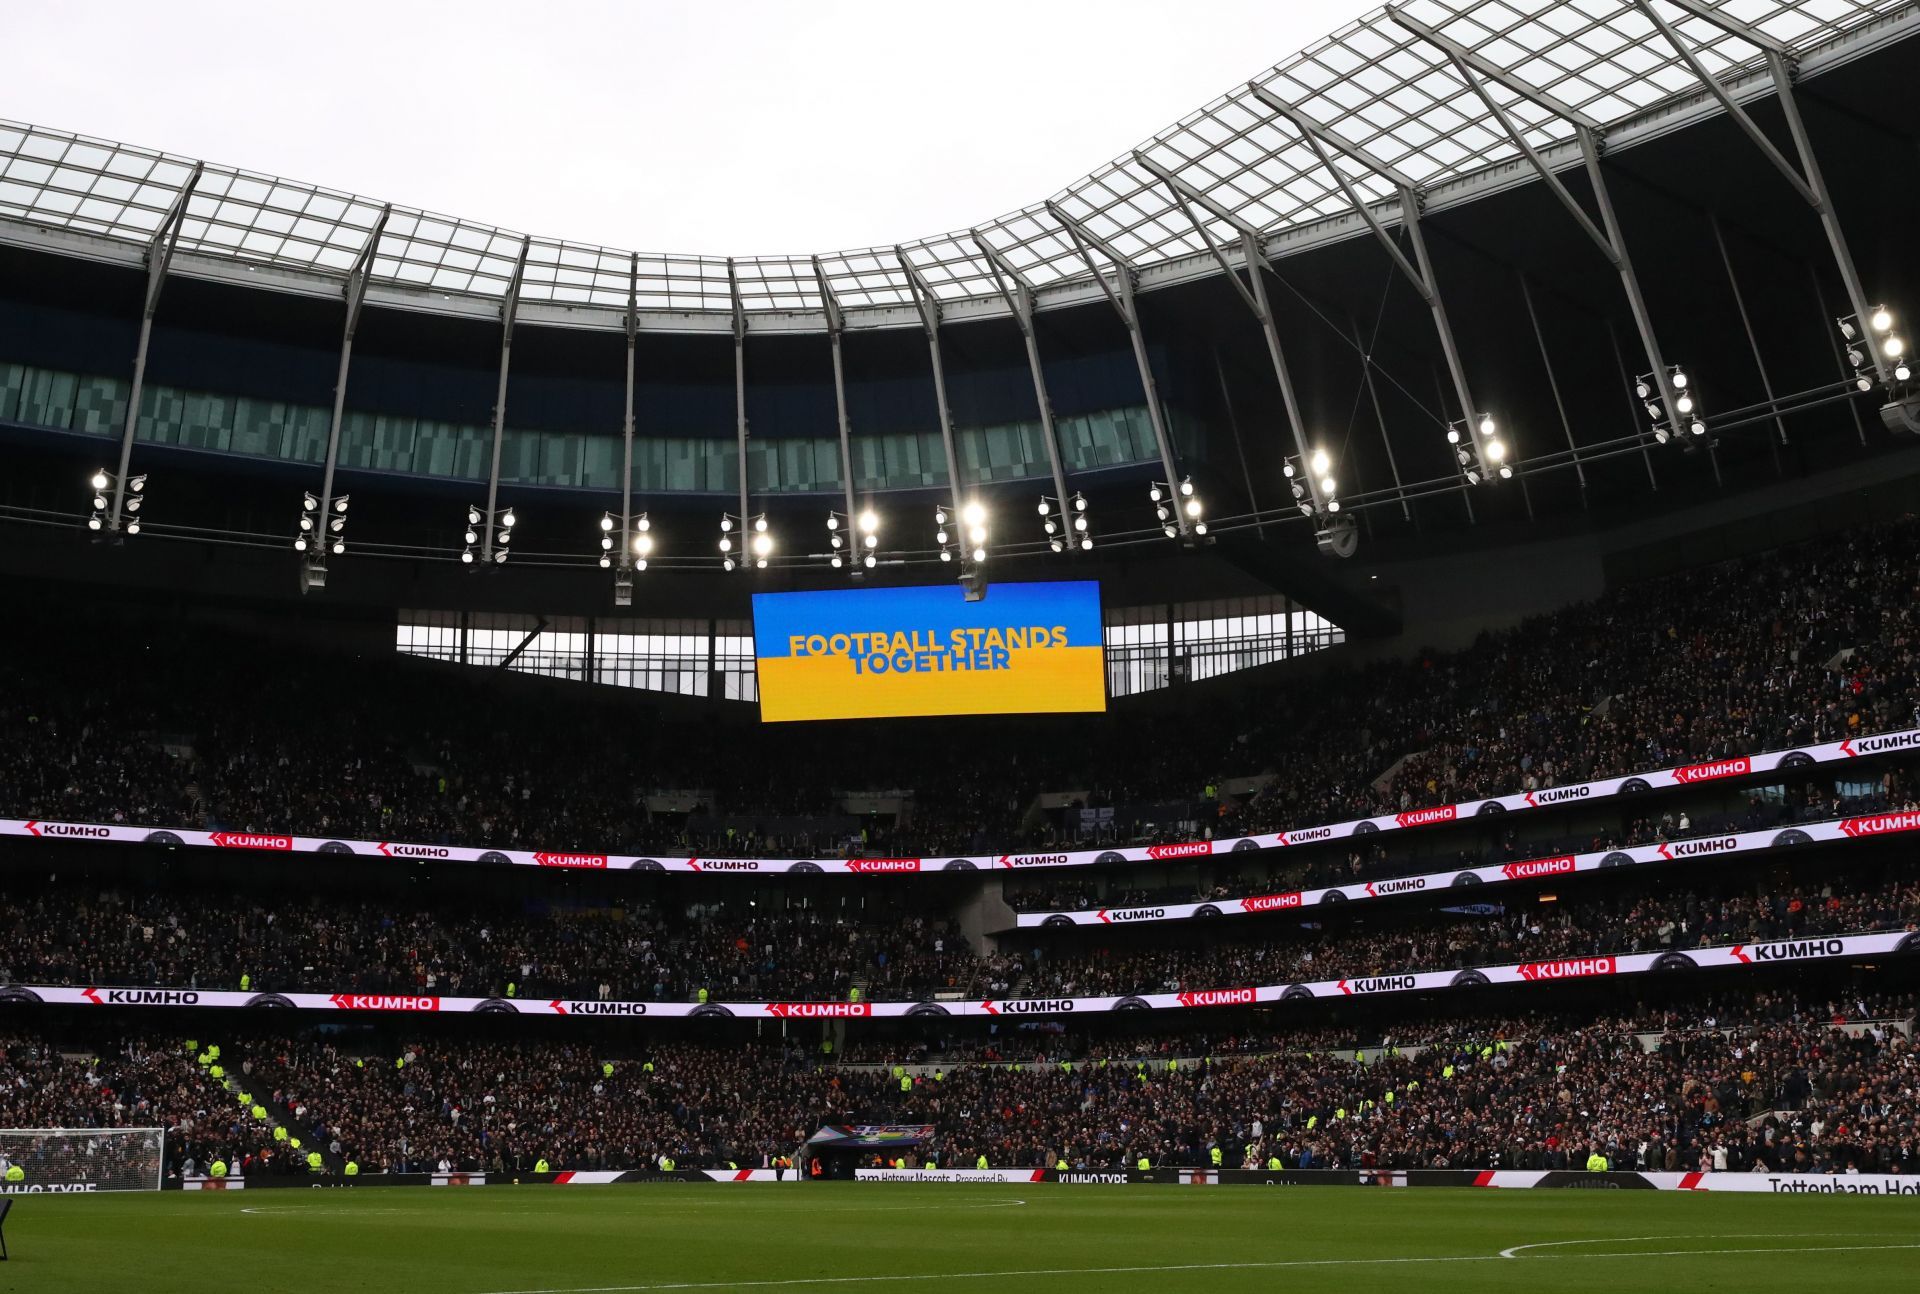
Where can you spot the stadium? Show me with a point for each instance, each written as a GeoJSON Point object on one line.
{"type": "Point", "coordinates": [1367, 648]}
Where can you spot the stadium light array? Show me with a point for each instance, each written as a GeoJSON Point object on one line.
{"type": "Point", "coordinates": [1183, 497]}
{"type": "Point", "coordinates": [1687, 420]}
{"type": "Point", "coordinates": [1878, 334]}
{"type": "Point", "coordinates": [128, 522]}
{"type": "Point", "coordinates": [479, 521]}
{"type": "Point", "coordinates": [1320, 463]}
{"type": "Point", "coordinates": [1066, 526]}
{"type": "Point", "coordinates": [318, 534]}
{"type": "Point", "coordinates": [1479, 450]}
{"type": "Point", "coordinates": [852, 541]}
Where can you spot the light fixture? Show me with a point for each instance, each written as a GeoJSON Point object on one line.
{"type": "Point", "coordinates": [606, 521]}
{"type": "Point", "coordinates": [1486, 424]}
{"type": "Point", "coordinates": [1882, 319]}
{"type": "Point", "coordinates": [1333, 505]}
{"type": "Point", "coordinates": [1080, 523]}
{"type": "Point", "coordinates": [1641, 389]}
{"type": "Point", "coordinates": [340, 504]}
{"type": "Point", "coordinates": [605, 561]}
{"type": "Point", "coordinates": [307, 502]}
{"type": "Point", "coordinates": [1286, 469]}
{"type": "Point", "coordinates": [1056, 545]}
{"type": "Point", "coordinates": [507, 519]}
{"type": "Point", "coordinates": [1453, 435]}
{"type": "Point", "coordinates": [299, 543]}
{"type": "Point", "coordinates": [99, 481]}
{"type": "Point", "coordinates": [1320, 463]}
{"type": "Point", "coordinates": [760, 523]}
{"type": "Point", "coordinates": [133, 527]}
{"type": "Point", "coordinates": [940, 516]}
{"type": "Point", "coordinates": [1186, 485]}
{"type": "Point", "coordinates": [762, 542]}
{"type": "Point", "coordinates": [974, 514]}
{"type": "Point", "coordinates": [726, 524]}
{"type": "Point", "coordinates": [471, 537]}
{"type": "Point", "coordinates": [872, 561]}
{"type": "Point", "coordinates": [1153, 492]}
{"type": "Point", "coordinates": [1079, 503]}
{"type": "Point", "coordinates": [1684, 404]}
{"type": "Point", "coordinates": [1679, 380]}
{"type": "Point", "coordinates": [339, 546]}
{"type": "Point", "coordinates": [1901, 372]}
{"type": "Point", "coordinates": [833, 521]}
{"type": "Point", "coordinates": [1193, 507]}
{"type": "Point", "coordinates": [473, 516]}
{"type": "Point", "coordinates": [1326, 484]}
{"type": "Point", "coordinates": [979, 554]}
{"type": "Point", "coordinates": [467, 557]}
{"type": "Point", "coordinates": [1496, 450]}
{"type": "Point", "coordinates": [499, 556]}
{"type": "Point", "coordinates": [1893, 347]}
{"type": "Point", "coordinates": [869, 523]}
{"type": "Point", "coordinates": [945, 556]}
{"type": "Point", "coordinates": [1045, 507]}
{"type": "Point", "coordinates": [1086, 543]}
{"type": "Point", "coordinates": [93, 522]}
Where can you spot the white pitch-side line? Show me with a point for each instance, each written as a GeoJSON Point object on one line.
{"type": "Point", "coordinates": [1171, 1267]}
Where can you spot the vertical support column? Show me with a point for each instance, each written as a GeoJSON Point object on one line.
{"type": "Point", "coordinates": [740, 400]}
{"type": "Point", "coordinates": [626, 417]}
{"type": "Point", "coordinates": [836, 324]}
{"type": "Point", "coordinates": [159, 257]}
{"type": "Point", "coordinates": [1839, 352]}
{"type": "Point", "coordinates": [508, 308]}
{"type": "Point", "coordinates": [1746, 325]}
{"type": "Point", "coordinates": [1553, 383]}
{"type": "Point", "coordinates": [1633, 405]}
{"type": "Point", "coordinates": [356, 291]}
{"type": "Point", "coordinates": [1019, 297]}
{"type": "Point", "coordinates": [1120, 295]}
{"type": "Point", "coordinates": [929, 307]}
{"type": "Point", "coordinates": [1239, 449]}
{"type": "Point", "coordinates": [1380, 421]}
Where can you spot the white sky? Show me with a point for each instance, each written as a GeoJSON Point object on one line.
{"type": "Point", "coordinates": [730, 126]}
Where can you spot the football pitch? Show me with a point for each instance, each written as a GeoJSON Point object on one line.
{"type": "Point", "coordinates": [875, 1237]}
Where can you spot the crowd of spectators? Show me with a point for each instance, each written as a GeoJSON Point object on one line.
{"type": "Point", "coordinates": [207, 940]}
{"type": "Point", "coordinates": [138, 1082]}
{"type": "Point", "coordinates": [1785, 1085]}
{"type": "Point", "coordinates": [73, 933]}
{"type": "Point", "coordinates": [143, 722]}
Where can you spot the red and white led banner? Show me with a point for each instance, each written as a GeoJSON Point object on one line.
{"type": "Point", "coordinates": [1541, 972]}
{"type": "Point", "coordinates": [273, 843]}
{"type": "Point", "coordinates": [1531, 869]}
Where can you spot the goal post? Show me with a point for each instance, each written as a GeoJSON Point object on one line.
{"type": "Point", "coordinates": [56, 1160]}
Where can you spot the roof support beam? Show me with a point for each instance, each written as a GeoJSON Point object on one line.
{"type": "Point", "coordinates": [508, 309]}
{"type": "Point", "coordinates": [929, 307]}
{"type": "Point", "coordinates": [1320, 138]}
{"type": "Point", "coordinates": [1120, 295]}
{"type": "Point", "coordinates": [1018, 294]}
{"type": "Point", "coordinates": [1254, 293]}
{"type": "Point", "coordinates": [836, 325]}
{"type": "Point", "coordinates": [740, 402]}
{"type": "Point", "coordinates": [1812, 187]}
{"type": "Point", "coordinates": [1476, 71]}
{"type": "Point", "coordinates": [159, 257]}
{"type": "Point", "coordinates": [356, 294]}
{"type": "Point", "coordinates": [626, 416]}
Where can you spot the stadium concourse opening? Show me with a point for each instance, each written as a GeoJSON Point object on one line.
{"type": "Point", "coordinates": [1366, 649]}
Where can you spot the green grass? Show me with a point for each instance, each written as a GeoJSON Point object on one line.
{"type": "Point", "coordinates": [878, 1237]}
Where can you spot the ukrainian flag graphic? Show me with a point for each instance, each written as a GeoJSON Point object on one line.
{"type": "Point", "coordinates": [889, 653]}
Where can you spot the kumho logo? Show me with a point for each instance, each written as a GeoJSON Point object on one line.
{"type": "Point", "coordinates": [1270, 902]}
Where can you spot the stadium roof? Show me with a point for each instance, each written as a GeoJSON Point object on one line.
{"type": "Point", "coordinates": [1376, 83]}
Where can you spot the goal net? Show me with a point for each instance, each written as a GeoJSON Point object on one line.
{"type": "Point", "coordinates": [36, 1160]}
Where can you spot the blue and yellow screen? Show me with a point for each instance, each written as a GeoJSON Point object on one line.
{"type": "Point", "coordinates": [889, 653]}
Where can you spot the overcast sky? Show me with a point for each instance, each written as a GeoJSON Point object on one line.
{"type": "Point", "coordinates": [730, 126]}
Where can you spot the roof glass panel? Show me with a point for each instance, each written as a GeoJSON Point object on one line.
{"type": "Point", "coordinates": [1374, 82]}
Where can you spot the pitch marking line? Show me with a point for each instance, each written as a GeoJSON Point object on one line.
{"type": "Point", "coordinates": [789, 1283]}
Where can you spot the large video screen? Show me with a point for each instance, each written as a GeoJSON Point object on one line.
{"type": "Point", "coordinates": [889, 653]}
